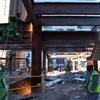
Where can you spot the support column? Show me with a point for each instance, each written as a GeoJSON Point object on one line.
{"type": "Point", "coordinates": [47, 64]}
{"type": "Point", "coordinates": [36, 55]}
{"type": "Point", "coordinates": [44, 60]}
{"type": "Point", "coordinates": [98, 65]}
{"type": "Point", "coordinates": [73, 65]}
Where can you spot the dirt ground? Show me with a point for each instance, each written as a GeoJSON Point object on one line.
{"type": "Point", "coordinates": [65, 90]}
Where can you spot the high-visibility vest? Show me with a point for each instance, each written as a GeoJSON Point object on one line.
{"type": "Point", "coordinates": [97, 89]}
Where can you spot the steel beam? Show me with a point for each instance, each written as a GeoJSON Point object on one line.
{"type": "Point", "coordinates": [67, 45]}
{"type": "Point", "coordinates": [29, 7]}
{"type": "Point", "coordinates": [17, 47]}
{"type": "Point", "coordinates": [66, 8]}
{"type": "Point", "coordinates": [70, 37]}
{"type": "Point", "coordinates": [67, 20]}
{"type": "Point", "coordinates": [62, 50]}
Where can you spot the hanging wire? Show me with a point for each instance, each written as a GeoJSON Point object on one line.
{"type": "Point", "coordinates": [5, 44]}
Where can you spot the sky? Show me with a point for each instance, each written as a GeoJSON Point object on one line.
{"type": "Point", "coordinates": [66, 0]}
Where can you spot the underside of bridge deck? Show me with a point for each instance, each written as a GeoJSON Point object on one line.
{"type": "Point", "coordinates": [61, 14]}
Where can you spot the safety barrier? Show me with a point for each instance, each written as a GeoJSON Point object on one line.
{"type": "Point", "coordinates": [39, 84]}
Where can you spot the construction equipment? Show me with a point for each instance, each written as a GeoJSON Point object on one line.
{"type": "Point", "coordinates": [9, 28]}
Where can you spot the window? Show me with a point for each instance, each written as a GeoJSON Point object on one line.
{"type": "Point", "coordinates": [67, 28]}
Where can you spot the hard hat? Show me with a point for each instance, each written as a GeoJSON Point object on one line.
{"type": "Point", "coordinates": [90, 62]}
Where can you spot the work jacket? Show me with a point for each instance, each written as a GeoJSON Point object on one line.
{"type": "Point", "coordinates": [89, 85]}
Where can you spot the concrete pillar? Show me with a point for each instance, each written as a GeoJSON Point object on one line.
{"type": "Point", "coordinates": [79, 64]}
{"type": "Point", "coordinates": [98, 65]}
{"type": "Point", "coordinates": [47, 64]}
{"type": "Point", "coordinates": [73, 65]}
{"type": "Point", "coordinates": [42, 60]}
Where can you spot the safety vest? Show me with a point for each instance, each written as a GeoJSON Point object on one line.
{"type": "Point", "coordinates": [97, 89]}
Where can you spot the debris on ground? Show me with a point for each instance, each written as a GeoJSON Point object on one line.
{"type": "Point", "coordinates": [80, 79]}
{"type": "Point", "coordinates": [66, 86]}
{"type": "Point", "coordinates": [51, 83]}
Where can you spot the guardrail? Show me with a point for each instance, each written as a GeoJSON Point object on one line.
{"type": "Point", "coordinates": [39, 84]}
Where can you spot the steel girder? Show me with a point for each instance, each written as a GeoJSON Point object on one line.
{"type": "Point", "coordinates": [66, 8]}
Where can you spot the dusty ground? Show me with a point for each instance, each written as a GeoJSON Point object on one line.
{"type": "Point", "coordinates": [65, 90]}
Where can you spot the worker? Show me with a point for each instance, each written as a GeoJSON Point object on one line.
{"type": "Point", "coordinates": [93, 83]}
{"type": "Point", "coordinates": [28, 68]}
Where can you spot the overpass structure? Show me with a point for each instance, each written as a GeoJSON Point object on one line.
{"type": "Point", "coordinates": [40, 15]}
{"type": "Point", "coordinates": [63, 14]}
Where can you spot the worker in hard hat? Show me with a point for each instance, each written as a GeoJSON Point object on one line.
{"type": "Point", "coordinates": [93, 83]}
{"type": "Point", "coordinates": [28, 67]}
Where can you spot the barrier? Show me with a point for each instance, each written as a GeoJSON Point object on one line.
{"type": "Point", "coordinates": [39, 84]}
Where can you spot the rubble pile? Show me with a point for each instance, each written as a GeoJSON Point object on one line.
{"type": "Point", "coordinates": [65, 86]}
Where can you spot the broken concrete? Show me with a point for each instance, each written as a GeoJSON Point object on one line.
{"type": "Point", "coordinates": [51, 83]}
{"type": "Point", "coordinates": [63, 87]}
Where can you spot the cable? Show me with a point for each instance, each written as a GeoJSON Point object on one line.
{"type": "Point", "coordinates": [5, 43]}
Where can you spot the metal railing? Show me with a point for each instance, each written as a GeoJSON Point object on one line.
{"type": "Point", "coordinates": [36, 76]}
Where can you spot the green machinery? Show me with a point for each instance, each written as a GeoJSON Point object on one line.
{"type": "Point", "coordinates": [3, 84]}
{"type": "Point", "coordinates": [9, 30]}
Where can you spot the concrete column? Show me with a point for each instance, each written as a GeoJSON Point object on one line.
{"type": "Point", "coordinates": [73, 65]}
{"type": "Point", "coordinates": [47, 64]}
{"type": "Point", "coordinates": [98, 65]}
{"type": "Point", "coordinates": [42, 60]}
{"type": "Point", "coordinates": [79, 66]}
